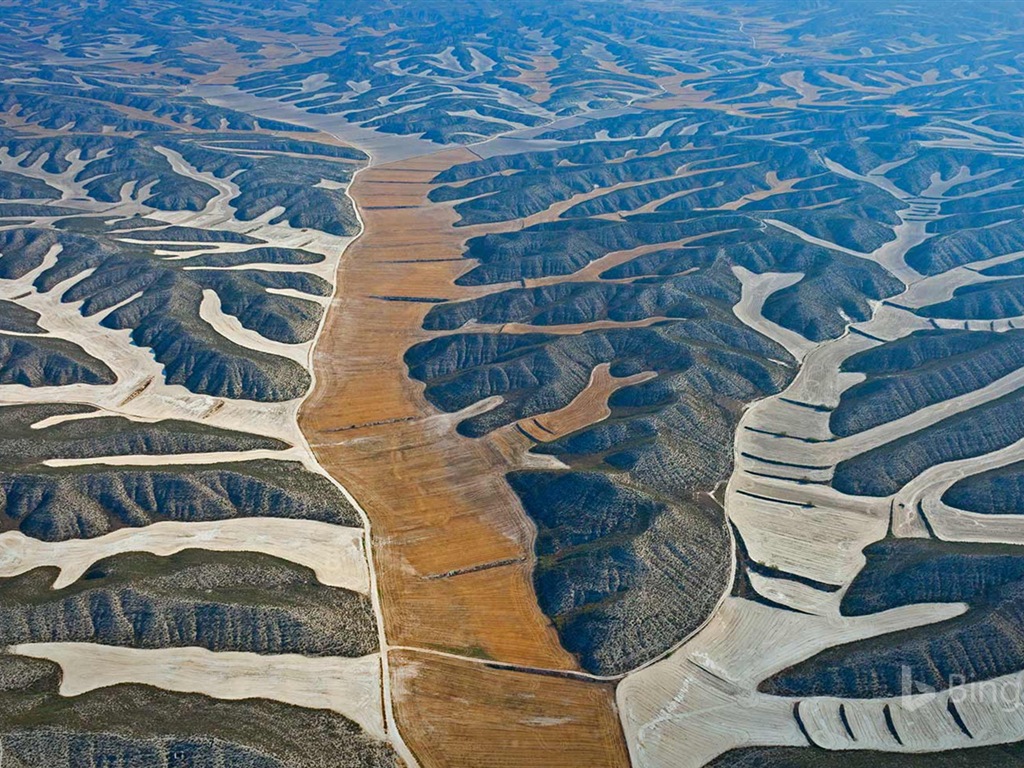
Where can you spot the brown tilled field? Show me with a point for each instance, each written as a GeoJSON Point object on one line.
{"type": "Point", "coordinates": [452, 545]}
{"type": "Point", "coordinates": [453, 549]}
{"type": "Point", "coordinates": [589, 407]}
{"type": "Point", "coordinates": [455, 714]}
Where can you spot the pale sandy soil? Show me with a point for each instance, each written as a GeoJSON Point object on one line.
{"type": "Point", "coordinates": [755, 290]}
{"type": "Point", "coordinates": [232, 329]}
{"type": "Point", "coordinates": [350, 687]}
{"type": "Point", "coordinates": [333, 552]}
{"type": "Point", "coordinates": [702, 701]}
{"type": "Point", "coordinates": [171, 459]}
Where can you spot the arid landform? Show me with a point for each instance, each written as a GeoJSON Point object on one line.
{"type": "Point", "coordinates": [511, 384]}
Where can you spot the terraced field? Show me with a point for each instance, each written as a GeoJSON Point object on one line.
{"type": "Point", "coordinates": [511, 384]}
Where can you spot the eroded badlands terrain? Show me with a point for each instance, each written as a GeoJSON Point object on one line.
{"type": "Point", "coordinates": [511, 384]}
